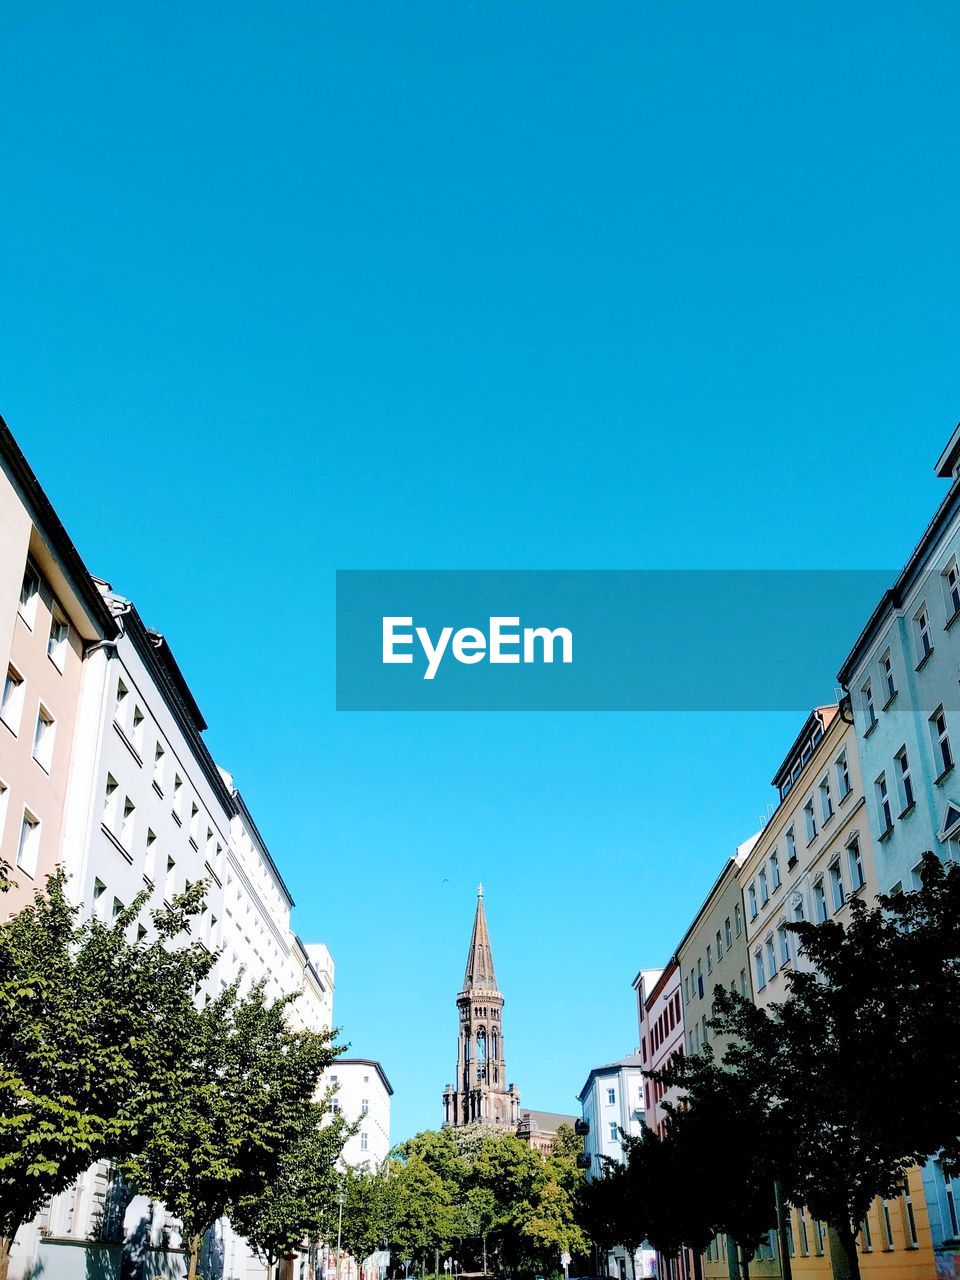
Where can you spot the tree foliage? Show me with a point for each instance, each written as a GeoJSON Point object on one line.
{"type": "Point", "coordinates": [88, 1034]}
{"type": "Point", "coordinates": [233, 1103]}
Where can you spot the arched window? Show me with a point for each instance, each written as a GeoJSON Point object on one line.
{"type": "Point", "coordinates": [494, 1046]}
{"type": "Point", "coordinates": [481, 1045]}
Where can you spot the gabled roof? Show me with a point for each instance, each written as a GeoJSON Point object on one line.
{"type": "Point", "coordinates": [480, 974]}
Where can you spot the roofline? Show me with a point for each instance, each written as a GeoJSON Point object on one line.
{"type": "Point", "coordinates": [52, 527]}
{"type": "Point", "coordinates": [145, 643]}
{"type": "Point", "coordinates": [894, 596]}
{"type": "Point", "coordinates": [818, 713]}
{"type": "Point", "coordinates": [610, 1066]}
{"type": "Point", "coordinates": [729, 868]}
{"type": "Point", "coordinates": [248, 817]}
{"type": "Point", "coordinates": [366, 1062]}
{"type": "Point", "coordinates": [661, 982]}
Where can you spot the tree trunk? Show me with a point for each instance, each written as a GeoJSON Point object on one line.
{"type": "Point", "coordinates": [844, 1258]}
{"type": "Point", "coordinates": [744, 1265]}
{"type": "Point", "coordinates": [6, 1244]}
{"type": "Point", "coordinates": [195, 1243]}
{"type": "Point", "coordinates": [733, 1260]}
{"type": "Point", "coordinates": [633, 1263]}
{"type": "Point", "coordinates": [786, 1269]}
{"type": "Point", "coordinates": [697, 1265]}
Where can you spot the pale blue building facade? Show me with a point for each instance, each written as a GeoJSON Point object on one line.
{"type": "Point", "coordinates": [903, 678]}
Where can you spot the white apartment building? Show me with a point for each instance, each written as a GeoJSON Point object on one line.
{"type": "Point", "coordinates": [363, 1093]}
{"type": "Point", "coordinates": [612, 1104]}
{"type": "Point", "coordinates": [148, 808]}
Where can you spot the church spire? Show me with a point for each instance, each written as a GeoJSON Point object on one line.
{"type": "Point", "coordinates": [480, 974]}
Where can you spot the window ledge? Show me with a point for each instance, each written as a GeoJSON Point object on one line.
{"type": "Point", "coordinates": [870, 728]}
{"type": "Point", "coordinates": [846, 796]}
{"type": "Point", "coordinates": [951, 620]}
{"type": "Point", "coordinates": [885, 834]}
{"type": "Point", "coordinates": [176, 817]}
{"type": "Point", "coordinates": [855, 893]}
{"type": "Point", "coordinates": [909, 809]}
{"type": "Point", "coordinates": [115, 842]}
{"type": "Point", "coordinates": [945, 774]}
{"type": "Point", "coordinates": [157, 789]}
{"type": "Point", "coordinates": [811, 840]}
{"type": "Point", "coordinates": [128, 744]}
{"type": "Point", "coordinates": [891, 700]}
{"type": "Point", "coordinates": [44, 767]}
{"type": "Point", "coordinates": [924, 660]}
{"type": "Point", "coordinates": [7, 725]}
{"type": "Point", "coordinates": [828, 818]}
{"type": "Point", "coordinates": [58, 665]}
{"type": "Point", "coordinates": [791, 863]}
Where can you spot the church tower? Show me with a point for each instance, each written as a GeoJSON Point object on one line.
{"type": "Point", "coordinates": [481, 1094]}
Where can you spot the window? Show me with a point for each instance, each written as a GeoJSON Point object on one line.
{"type": "Point", "coordinates": [29, 595]}
{"type": "Point", "coordinates": [791, 843]}
{"type": "Point", "coordinates": [771, 957]}
{"type": "Point", "coordinates": [614, 1131]}
{"type": "Point", "coordinates": [819, 902]}
{"type": "Point", "coordinates": [758, 967]}
{"type": "Point", "coordinates": [904, 781]}
{"type": "Point", "coordinates": [117, 907]}
{"type": "Point", "coordinates": [951, 590]}
{"type": "Point", "coordinates": [857, 878]}
{"type": "Point", "coordinates": [719, 941]}
{"type": "Point", "coordinates": [28, 848]}
{"type": "Point", "coordinates": [783, 941]}
{"type": "Point", "coordinates": [177, 795]}
{"type": "Point", "coordinates": [110, 802]}
{"type": "Point", "coordinates": [700, 978]}
{"type": "Point", "coordinates": [686, 989]}
{"type": "Point", "coordinates": [709, 958]}
{"type": "Point", "coordinates": [127, 823]}
{"type": "Point", "coordinates": [158, 767]}
{"type": "Point", "coordinates": [363, 1142]}
{"type": "Point", "coordinates": [43, 736]}
{"type": "Point", "coordinates": [885, 1223]}
{"type": "Point", "coordinates": [764, 890]}
{"type": "Point", "coordinates": [728, 932]}
{"type": "Point", "coordinates": [843, 776]}
{"type": "Point", "coordinates": [889, 683]}
{"type": "Point", "coordinates": [194, 823]}
{"type": "Point", "coordinates": [136, 736]}
{"type": "Point", "coordinates": [743, 982]}
{"type": "Point", "coordinates": [941, 741]}
{"type": "Point", "coordinates": [4, 798]}
{"type": "Point", "coordinates": [775, 879]}
{"type": "Point", "coordinates": [909, 1221]}
{"type": "Point", "coordinates": [364, 1106]}
{"type": "Point", "coordinates": [884, 813]}
{"type": "Point", "coordinates": [798, 912]}
{"type": "Point", "coordinates": [738, 918]}
{"type": "Point", "coordinates": [99, 889]}
{"type": "Point", "coordinates": [811, 821]}
{"type": "Point", "coordinates": [752, 899]}
{"type": "Point", "coordinates": [836, 885]}
{"type": "Point", "coordinates": [11, 705]}
{"type": "Point", "coordinates": [826, 800]}
{"type": "Point", "coordinates": [921, 623]}
{"type": "Point", "coordinates": [866, 702]}
{"type": "Point", "coordinates": [119, 709]}
{"type": "Point", "coordinates": [57, 639]}
{"type": "Point", "coordinates": [611, 1096]}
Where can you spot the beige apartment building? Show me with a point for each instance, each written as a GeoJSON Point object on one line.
{"type": "Point", "coordinates": [50, 616]}
{"type": "Point", "coordinates": [812, 858]}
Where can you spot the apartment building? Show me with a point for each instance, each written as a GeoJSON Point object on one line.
{"type": "Point", "coordinates": [902, 677]}
{"type": "Point", "coordinates": [363, 1093]}
{"type": "Point", "coordinates": [611, 1105]}
{"type": "Point", "coordinates": [104, 771]}
{"type": "Point", "coordinates": [51, 617]}
{"type": "Point", "coordinates": [813, 857]}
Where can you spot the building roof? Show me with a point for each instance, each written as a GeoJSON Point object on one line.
{"type": "Point", "coordinates": [610, 1068]}
{"type": "Point", "coordinates": [480, 974]}
{"type": "Point", "coordinates": [544, 1121]}
{"type": "Point", "coordinates": [51, 529]}
{"type": "Point", "coordinates": [366, 1062]}
{"type": "Point", "coordinates": [892, 599]}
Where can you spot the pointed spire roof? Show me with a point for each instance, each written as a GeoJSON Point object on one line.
{"type": "Point", "coordinates": [480, 975]}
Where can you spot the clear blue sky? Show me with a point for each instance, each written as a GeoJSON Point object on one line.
{"type": "Point", "coordinates": [296, 287]}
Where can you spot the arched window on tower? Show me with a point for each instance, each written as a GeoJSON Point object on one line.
{"type": "Point", "coordinates": [494, 1046]}
{"type": "Point", "coordinates": [481, 1045]}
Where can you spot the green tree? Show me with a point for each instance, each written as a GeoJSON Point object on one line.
{"type": "Point", "coordinates": [878, 1016]}
{"type": "Point", "coordinates": [297, 1202]}
{"type": "Point", "coordinates": [233, 1103]}
{"type": "Point", "coordinates": [89, 1030]}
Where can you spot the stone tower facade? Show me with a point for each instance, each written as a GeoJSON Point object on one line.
{"type": "Point", "coordinates": [481, 1094]}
